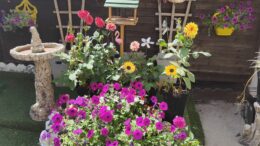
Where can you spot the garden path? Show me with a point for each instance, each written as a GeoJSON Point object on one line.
{"type": "Point", "coordinates": [221, 123]}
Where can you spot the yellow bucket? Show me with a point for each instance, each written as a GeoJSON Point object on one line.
{"type": "Point", "coordinates": [226, 31]}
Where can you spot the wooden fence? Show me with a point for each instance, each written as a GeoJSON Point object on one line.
{"type": "Point", "coordinates": [230, 54]}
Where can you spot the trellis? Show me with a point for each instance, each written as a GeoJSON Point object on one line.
{"type": "Point", "coordinates": [70, 13]}
{"type": "Point", "coordinates": [172, 15]}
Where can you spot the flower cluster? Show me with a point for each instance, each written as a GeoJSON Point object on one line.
{"type": "Point", "coordinates": [91, 57]}
{"type": "Point", "coordinates": [15, 19]}
{"type": "Point", "coordinates": [116, 116]}
{"type": "Point", "coordinates": [238, 15]}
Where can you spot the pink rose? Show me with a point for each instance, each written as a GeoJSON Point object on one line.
{"type": "Point", "coordinates": [83, 14]}
{"type": "Point", "coordinates": [89, 19]}
{"type": "Point", "coordinates": [111, 27]}
{"type": "Point", "coordinates": [134, 46]}
{"type": "Point", "coordinates": [100, 22]}
{"type": "Point", "coordinates": [70, 38]}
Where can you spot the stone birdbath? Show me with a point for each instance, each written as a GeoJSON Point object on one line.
{"type": "Point", "coordinates": [40, 53]}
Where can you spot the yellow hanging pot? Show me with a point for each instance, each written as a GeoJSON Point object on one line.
{"type": "Point", "coordinates": [26, 6]}
{"type": "Point", "coordinates": [223, 31]}
{"type": "Point", "coordinates": [226, 31]}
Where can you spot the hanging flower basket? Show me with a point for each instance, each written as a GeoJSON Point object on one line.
{"type": "Point", "coordinates": [226, 31]}
{"type": "Point", "coordinates": [176, 1]}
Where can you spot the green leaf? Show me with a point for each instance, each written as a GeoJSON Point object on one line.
{"type": "Point", "coordinates": [184, 52]}
{"type": "Point", "coordinates": [191, 76]}
{"type": "Point", "coordinates": [168, 55]}
{"type": "Point", "coordinates": [187, 82]}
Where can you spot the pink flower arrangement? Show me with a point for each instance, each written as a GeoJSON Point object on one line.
{"type": "Point", "coordinates": [111, 26]}
{"type": "Point", "coordinates": [109, 115]}
{"type": "Point", "coordinates": [100, 23]}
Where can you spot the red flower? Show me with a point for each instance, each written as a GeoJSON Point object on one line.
{"type": "Point", "coordinates": [100, 22]}
{"type": "Point", "coordinates": [70, 38]}
{"type": "Point", "coordinates": [111, 27]}
{"type": "Point", "coordinates": [83, 14]}
{"type": "Point", "coordinates": [89, 19]}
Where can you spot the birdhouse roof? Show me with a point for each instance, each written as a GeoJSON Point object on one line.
{"type": "Point", "coordinates": [122, 3]}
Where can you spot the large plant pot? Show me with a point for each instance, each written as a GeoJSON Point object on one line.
{"type": "Point", "coordinates": [176, 105]}
{"type": "Point", "coordinates": [226, 31]}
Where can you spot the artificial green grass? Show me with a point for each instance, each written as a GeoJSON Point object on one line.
{"type": "Point", "coordinates": [193, 120]}
{"type": "Point", "coordinates": [17, 94]}
{"type": "Point", "coordinates": [15, 137]}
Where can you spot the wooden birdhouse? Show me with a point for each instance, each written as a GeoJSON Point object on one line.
{"type": "Point", "coordinates": [122, 21]}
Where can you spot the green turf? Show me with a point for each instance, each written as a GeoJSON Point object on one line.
{"type": "Point", "coordinates": [17, 94]}
{"type": "Point", "coordinates": [14, 137]}
{"type": "Point", "coordinates": [193, 119]}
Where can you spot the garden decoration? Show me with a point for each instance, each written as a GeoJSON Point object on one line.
{"type": "Point", "coordinates": [229, 18]}
{"type": "Point", "coordinates": [251, 132]}
{"type": "Point", "coordinates": [173, 15]}
{"type": "Point", "coordinates": [41, 54]}
{"type": "Point", "coordinates": [115, 116]}
{"type": "Point", "coordinates": [68, 24]}
{"type": "Point", "coordinates": [129, 4]}
{"type": "Point", "coordinates": [26, 6]}
{"type": "Point", "coordinates": [177, 78]}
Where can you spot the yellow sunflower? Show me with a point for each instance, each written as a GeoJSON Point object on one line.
{"type": "Point", "coordinates": [191, 30]}
{"type": "Point", "coordinates": [170, 70]}
{"type": "Point", "coordinates": [129, 67]}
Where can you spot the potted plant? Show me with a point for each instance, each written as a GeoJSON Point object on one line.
{"type": "Point", "coordinates": [14, 29]}
{"type": "Point", "coordinates": [177, 79]}
{"type": "Point", "coordinates": [91, 57]}
{"type": "Point", "coordinates": [116, 116]}
{"type": "Point", "coordinates": [229, 18]}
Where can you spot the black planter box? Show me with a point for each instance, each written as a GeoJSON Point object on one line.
{"type": "Point", "coordinates": [176, 105]}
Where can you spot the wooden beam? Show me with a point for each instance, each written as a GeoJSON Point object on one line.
{"type": "Point", "coordinates": [59, 21]}
{"type": "Point", "coordinates": [122, 35]}
{"type": "Point", "coordinates": [176, 14]}
{"type": "Point", "coordinates": [172, 22]}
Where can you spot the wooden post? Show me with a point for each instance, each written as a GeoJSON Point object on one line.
{"type": "Point", "coordinates": [135, 13]}
{"type": "Point", "coordinates": [122, 35]}
{"type": "Point", "coordinates": [59, 21]}
{"type": "Point", "coordinates": [172, 22]}
{"type": "Point", "coordinates": [82, 8]}
{"type": "Point", "coordinates": [187, 13]}
{"type": "Point", "coordinates": [109, 12]}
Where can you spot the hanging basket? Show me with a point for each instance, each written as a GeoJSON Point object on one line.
{"type": "Point", "coordinates": [226, 31]}
{"type": "Point", "coordinates": [176, 1]}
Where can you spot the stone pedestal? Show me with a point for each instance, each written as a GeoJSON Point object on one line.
{"type": "Point", "coordinates": [44, 91]}
{"type": "Point", "coordinates": [251, 133]}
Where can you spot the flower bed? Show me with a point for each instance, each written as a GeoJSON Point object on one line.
{"type": "Point", "coordinates": [116, 116]}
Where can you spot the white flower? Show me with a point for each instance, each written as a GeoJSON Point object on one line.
{"type": "Point", "coordinates": [147, 42]}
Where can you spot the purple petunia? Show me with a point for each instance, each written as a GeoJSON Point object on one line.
{"type": "Point", "coordinates": [128, 130]}
{"type": "Point", "coordinates": [56, 141]}
{"type": "Point", "coordinates": [179, 122]}
{"type": "Point", "coordinates": [162, 115]}
{"type": "Point", "coordinates": [139, 121]}
{"type": "Point", "coordinates": [72, 112]}
{"type": "Point", "coordinates": [77, 132]}
{"type": "Point", "coordinates": [163, 106]}
{"type": "Point", "coordinates": [159, 126]}
{"type": "Point", "coordinates": [173, 128]}
{"type": "Point", "coordinates": [137, 134]}
{"type": "Point", "coordinates": [95, 100]}
{"type": "Point", "coordinates": [105, 88]}
{"type": "Point", "coordinates": [154, 99]}
{"type": "Point", "coordinates": [82, 114]}
{"type": "Point", "coordinates": [112, 143]}
{"type": "Point", "coordinates": [104, 131]}
{"type": "Point", "coordinates": [81, 101]}
{"type": "Point", "coordinates": [100, 86]}
{"type": "Point", "coordinates": [130, 98]}
{"type": "Point", "coordinates": [94, 86]}
{"type": "Point", "coordinates": [146, 121]}
{"type": "Point", "coordinates": [106, 115]}
{"type": "Point", "coordinates": [44, 136]}
{"type": "Point", "coordinates": [142, 92]}
{"type": "Point", "coordinates": [138, 85]}
{"type": "Point", "coordinates": [235, 20]}
{"type": "Point", "coordinates": [57, 118]}
{"type": "Point", "coordinates": [56, 127]}
{"type": "Point", "coordinates": [127, 122]}
{"type": "Point", "coordinates": [181, 136]}
{"type": "Point", "coordinates": [90, 134]}
{"type": "Point", "coordinates": [117, 86]}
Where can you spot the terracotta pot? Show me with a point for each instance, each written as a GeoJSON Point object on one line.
{"type": "Point", "coordinates": [176, 1]}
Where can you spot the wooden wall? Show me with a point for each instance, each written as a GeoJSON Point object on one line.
{"type": "Point", "coordinates": [230, 54]}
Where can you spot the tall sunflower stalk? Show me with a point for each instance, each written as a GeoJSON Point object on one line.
{"type": "Point", "coordinates": [177, 77]}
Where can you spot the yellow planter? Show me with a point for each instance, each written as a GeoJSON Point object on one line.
{"type": "Point", "coordinates": [226, 31]}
